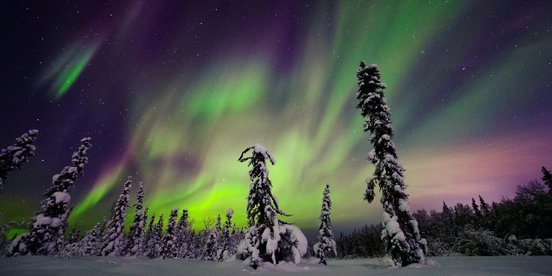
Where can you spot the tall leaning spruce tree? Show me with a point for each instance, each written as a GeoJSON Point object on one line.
{"type": "Point", "coordinates": [48, 227]}
{"type": "Point", "coordinates": [400, 229]}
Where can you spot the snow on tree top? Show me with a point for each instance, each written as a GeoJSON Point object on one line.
{"type": "Point", "coordinates": [259, 148]}
{"type": "Point", "coordinates": [229, 212]}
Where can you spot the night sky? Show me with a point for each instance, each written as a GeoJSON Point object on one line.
{"type": "Point", "coordinates": [171, 92]}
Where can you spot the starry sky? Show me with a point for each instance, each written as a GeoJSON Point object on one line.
{"type": "Point", "coordinates": [171, 92]}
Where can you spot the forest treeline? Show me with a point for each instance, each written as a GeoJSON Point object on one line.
{"type": "Point", "coordinates": [268, 238]}
{"type": "Point", "coordinates": [518, 225]}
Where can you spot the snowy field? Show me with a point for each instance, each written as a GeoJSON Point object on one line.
{"type": "Point", "coordinates": [501, 265]}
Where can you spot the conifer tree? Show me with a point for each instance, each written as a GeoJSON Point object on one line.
{"type": "Point", "coordinates": [136, 233]}
{"type": "Point", "coordinates": [227, 247]}
{"type": "Point", "coordinates": [213, 244]}
{"type": "Point", "coordinates": [484, 206]}
{"type": "Point", "coordinates": [449, 225]}
{"type": "Point", "coordinates": [74, 236]}
{"type": "Point", "coordinates": [476, 210]}
{"type": "Point", "coordinates": [218, 225]}
{"type": "Point", "coordinates": [478, 217]}
{"type": "Point", "coordinates": [48, 225]}
{"type": "Point", "coordinates": [169, 240]}
{"type": "Point", "coordinates": [89, 245]}
{"type": "Point", "coordinates": [446, 209]}
{"type": "Point", "coordinates": [228, 226]}
{"type": "Point", "coordinates": [493, 215]}
{"type": "Point", "coordinates": [463, 215]}
{"type": "Point", "coordinates": [547, 178]}
{"type": "Point", "coordinates": [13, 157]}
{"type": "Point", "coordinates": [326, 242]}
{"type": "Point", "coordinates": [157, 239]}
{"type": "Point", "coordinates": [236, 237]}
{"type": "Point", "coordinates": [268, 238]}
{"type": "Point", "coordinates": [484, 210]}
{"type": "Point", "coordinates": [144, 231]}
{"type": "Point", "coordinates": [196, 245]}
{"type": "Point", "coordinates": [60, 242]}
{"type": "Point", "coordinates": [183, 235]}
{"type": "Point", "coordinates": [114, 240]}
{"type": "Point", "coordinates": [401, 235]}
{"type": "Point", "coordinates": [72, 247]}
{"type": "Point", "coordinates": [149, 241]}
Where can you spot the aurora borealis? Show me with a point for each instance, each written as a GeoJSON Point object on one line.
{"type": "Point", "coordinates": [172, 91]}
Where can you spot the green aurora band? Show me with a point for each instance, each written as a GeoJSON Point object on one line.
{"type": "Point", "coordinates": [315, 136]}
{"type": "Point", "coordinates": [184, 139]}
{"type": "Point", "coordinates": [68, 67]}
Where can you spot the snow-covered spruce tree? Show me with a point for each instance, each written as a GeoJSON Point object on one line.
{"type": "Point", "coordinates": [268, 239]}
{"type": "Point", "coordinates": [326, 242]}
{"type": "Point", "coordinates": [74, 237]}
{"type": "Point", "coordinates": [89, 245]}
{"type": "Point", "coordinates": [49, 221]}
{"type": "Point", "coordinates": [183, 235]}
{"type": "Point", "coordinates": [196, 245]}
{"type": "Point", "coordinates": [236, 237]}
{"type": "Point", "coordinates": [401, 235]}
{"type": "Point", "coordinates": [113, 242]}
{"type": "Point", "coordinates": [136, 233]}
{"type": "Point", "coordinates": [72, 245]}
{"type": "Point", "coordinates": [13, 157]}
{"type": "Point", "coordinates": [227, 247]}
{"type": "Point", "coordinates": [169, 250]}
{"type": "Point", "coordinates": [211, 249]}
{"type": "Point", "coordinates": [155, 243]}
{"type": "Point", "coordinates": [218, 226]}
{"type": "Point", "coordinates": [60, 242]}
{"type": "Point", "coordinates": [142, 249]}
{"type": "Point", "coordinates": [149, 242]}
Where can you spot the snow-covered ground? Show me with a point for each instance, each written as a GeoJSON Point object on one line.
{"type": "Point", "coordinates": [501, 265]}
